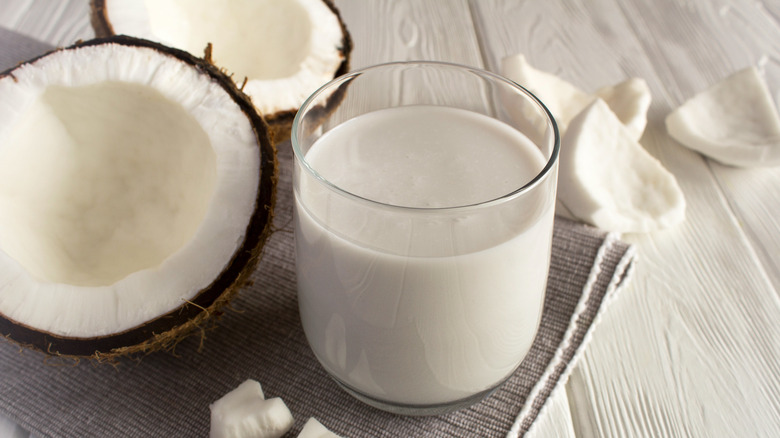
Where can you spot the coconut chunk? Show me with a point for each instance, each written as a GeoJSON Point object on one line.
{"type": "Point", "coordinates": [247, 391]}
{"type": "Point", "coordinates": [315, 429]}
{"type": "Point", "coordinates": [245, 413]}
{"type": "Point", "coordinates": [563, 99]}
{"type": "Point", "coordinates": [735, 121]}
{"type": "Point", "coordinates": [607, 179]}
{"type": "Point", "coordinates": [629, 100]}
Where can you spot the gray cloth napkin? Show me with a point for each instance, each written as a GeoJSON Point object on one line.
{"type": "Point", "coordinates": [167, 394]}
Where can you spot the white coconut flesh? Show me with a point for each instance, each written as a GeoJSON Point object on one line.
{"type": "Point", "coordinates": [314, 429]}
{"type": "Point", "coordinates": [244, 412]}
{"type": "Point", "coordinates": [125, 188]}
{"type": "Point", "coordinates": [629, 100]}
{"type": "Point", "coordinates": [734, 121]}
{"type": "Point", "coordinates": [286, 49]}
{"type": "Point", "coordinates": [607, 179]}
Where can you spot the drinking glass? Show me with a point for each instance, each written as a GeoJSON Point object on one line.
{"type": "Point", "coordinates": [424, 203]}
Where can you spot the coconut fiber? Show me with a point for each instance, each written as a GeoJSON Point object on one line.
{"type": "Point", "coordinates": [167, 394]}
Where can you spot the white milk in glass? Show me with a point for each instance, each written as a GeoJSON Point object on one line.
{"type": "Point", "coordinates": [425, 294]}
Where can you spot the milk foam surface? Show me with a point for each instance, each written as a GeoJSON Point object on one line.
{"type": "Point", "coordinates": [423, 304]}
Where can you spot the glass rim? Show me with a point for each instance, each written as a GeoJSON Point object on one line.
{"type": "Point", "coordinates": [324, 90]}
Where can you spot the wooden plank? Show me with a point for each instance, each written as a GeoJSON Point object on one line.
{"type": "Point", "coordinates": [404, 30]}
{"type": "Point", "coordinates": [752, 32]}
{"type": "Point", "coordinates": [554, 421]}
{"type": "Point", "coordinates": [690, 348]}
{"type": "Point", "coordinates": [753, 194]}
{"type": "Point", "coordinates": [722, 40]}
{"type": "Point", "coordinates": [385, 31]}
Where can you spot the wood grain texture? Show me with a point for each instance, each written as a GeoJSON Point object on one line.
{"type": "Point", "coordinates": [432, 30]}
{"type": "Point", "coordinates": [691, 348]}
{"type": "Point", "coordinates": [753, 194]}
{"type": "Point", "coordinates": [554, 421]}
{"type": "Point", "coordinates": [404, 30]}
{"type": "Point", "coordinates": [753, 38]}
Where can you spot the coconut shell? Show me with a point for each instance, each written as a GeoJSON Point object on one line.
{"type": "Point", "coordinates": [167, 330]}
{"type": "Point", "coordinates": [280, 123]}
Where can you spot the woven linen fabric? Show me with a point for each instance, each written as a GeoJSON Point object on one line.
{"type": "Point", "coordinates": [167, 394]}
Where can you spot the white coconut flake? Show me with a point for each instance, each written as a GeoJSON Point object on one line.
{"type": "Point", "coordinates": [245, 413]}
{"type": "Point", "coordinates": [315, 429]}
{"type": "Point", "coordinates": [37, 283]}
{"type": "Point", "coordinates": [629, 100]}
{"type": "Point", "coordinates": [735, 121]}
{"type": "Point", "coordinates": [607, 179]}
{"type": "Point", "coordinates": [563, 99]}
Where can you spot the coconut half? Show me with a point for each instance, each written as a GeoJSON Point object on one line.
{"type": "Point", "coordinates": [136, 191]}
{"type": "Point", "coordinates": [285, 49]}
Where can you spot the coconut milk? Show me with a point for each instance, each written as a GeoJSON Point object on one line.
{"type": "Point", "coordinates": [407, 299]}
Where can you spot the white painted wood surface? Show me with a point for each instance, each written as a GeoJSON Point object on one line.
{"type": "Point", "coordinates": [692, 348]}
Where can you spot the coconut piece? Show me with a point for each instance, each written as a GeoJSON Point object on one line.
{"type": "Point", "coordinates": [735, 121]}
{"type": "Point", "coordinates": [285, 50]}
{"type": "Point", "coordinates": [563, 99]}
{"type": "Point", "coordinates": [315, 429]}
{"type": "Point", "coordinates": [607, 179]}
{"type": "Point", "coordinates": [629, 100]}
{"type": "Point", "coordinates": [137, 186]}
{"type": "Point", "coordinates": [245, 413]}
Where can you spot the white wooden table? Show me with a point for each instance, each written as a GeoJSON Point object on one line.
{"type": "Point", "coordinates": [692, 348]}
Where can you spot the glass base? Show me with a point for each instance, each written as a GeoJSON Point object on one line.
{"type": "Point", "coordinates": [416, 410]}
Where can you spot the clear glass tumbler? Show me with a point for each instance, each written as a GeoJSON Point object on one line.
{"type": "Point", "coordinates": [424, 203]}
